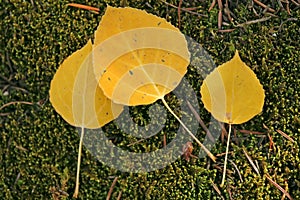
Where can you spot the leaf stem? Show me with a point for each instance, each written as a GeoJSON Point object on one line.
{"type": "Point", "coordinates": [189, 132]}
{"type": "Point", "coordinates": [78, 163]}
{"type": "Point", "coordinates": [226, 155]}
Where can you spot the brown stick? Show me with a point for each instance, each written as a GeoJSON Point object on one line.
{"type": "Point", "coordinates": [220, 19]}
{"type": "Point", "coordinates": [85, 7]}
{"type": "Point", "coordinates": [264, 6]}
{"type": "Point", "coordinates": [111, 188]}
{"type": "Point", "coordinates": [178, 11]}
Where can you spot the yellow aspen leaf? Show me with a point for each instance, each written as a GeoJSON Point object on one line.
{"type": "Point", "coordinates": [138, 57]}
{"type": "Point", "coordinates": [76, 95]}
{"type": "Point", "coordinates": [232, 92]}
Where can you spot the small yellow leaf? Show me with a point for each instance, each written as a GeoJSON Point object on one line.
{"type": "Point", "coordinates": [76, 95]}
{"type": "Point", "coordinates": [232, 92]}
{"type": "Point", "coordinates": [138, 57]}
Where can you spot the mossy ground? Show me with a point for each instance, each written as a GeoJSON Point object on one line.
{"type": "Point", "coordinates": [39, 149]}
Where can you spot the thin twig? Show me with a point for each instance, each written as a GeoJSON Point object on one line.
{"type": "Point", "coordinates": [216, 188]}
{"type": "Point", "coordinates": [280, 4]}
{"type": "Point", "coordinates": [279, 187]}
{"type": "Point", "coordinates": [178, 11]}
{"type": "Point", "coordinates": [285, 135]}
{"type": "Point", "coordinates": [212, 5]}
{"type": "Point", "coordinates": [226, 30]}
{"type": "Point", "coordinates": [4, 114]}
{"type": "Point", "coordinates": [185, 9]}
{"type": "Point", "coordinates": [85, 7]}
{"type": "Point", "coordinates": [229, 192]}
{"type": "Point", "coordinates": [136, 142]}
{"type": "Point", "coordinates": [201, 122]}
{"type": "Point", "coordinates": [254, 21]}
{"type": "Point", "coordinates": [220, 19]}
{"type": "Point", "coordinates": [264, 6]}
{"type": "Point", "coordinates": [251, 162]}
{"type": "Point", "coordinates": [119, 196]}
{"type": "Point", "coordinates": [227, 11]}
{"type": "Point", "coordinates": [7, 80]}
{"type": "Point", "coordinates": [252, 132]}
{"type": "Point", "coordinates": [21, 148]}
{"type": "Point", "coordinates": [165, 140]}
{"type": "Point", "coordinates": [220, 4]}
{"type": "Point", "coordinates": [238, 171]}
{"type": "Point", "coordinates": [271, 144]}
{"type": "Point", "coordinates": [297, 4]}
{"type": "Point", "coordinates": [222, 154]}
{"type": "Point", "coordinates": [15, 102]}
{"type": "Point", "coordinates": [111, 188]}
{"type": "Point", "coordinates": [288, 7]}
{"type": "Point", "coordinates": [289, 19]}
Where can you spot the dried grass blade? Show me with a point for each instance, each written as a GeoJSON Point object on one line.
{"type": "Point", "coordinates": [252, 132]}
{"type": "Point", "coordinates": [201, 122]}
{"type": "Point", "coordinates": [119, 196]}
{"type": "Point", "coordinates": [254, 21]}
{"type": "Point", "coordinates": [226, 30]}
{"type": "Point", "coordinates": [15, 102]}
{"type": "Point", "coordinates": [251, 162]}
{"type": "Point", "coordinates": [279, 187]}
{"type": "Point", "coordinates": [216, 189]}
{"type": "Point", "coordinates": [237, 169]}
{"type": "Point", "coordinates": [286, 135]}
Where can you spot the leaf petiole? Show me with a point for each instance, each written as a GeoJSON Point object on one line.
{"type": "Point", "coordinates": [189, 132]}
{"type": "Point", "coordinates": [226, 155]}
{"type": "Point", "coordinates": [78, 163]}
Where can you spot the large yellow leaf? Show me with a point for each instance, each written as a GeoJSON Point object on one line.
{"type": "Point", "coordinates": [232, 92]}
{"type": "Point", "coordinates": [75, 94]}
{"type": "Point", "coordinates": [138, 57]}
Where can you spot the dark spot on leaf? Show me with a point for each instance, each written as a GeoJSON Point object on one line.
{"type": "Point", "coordinates": [158, 23]}
{"type": "Point", "coordinates": [130, 72]}
{"type": "Point", "coordinates": [162, 60]}
{"type": "Point", "coordinates": [108, 78]}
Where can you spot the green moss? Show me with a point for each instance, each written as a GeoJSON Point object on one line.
{"type": "Point", "coordinates": [39, 149]}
